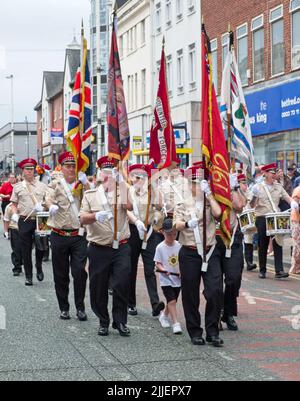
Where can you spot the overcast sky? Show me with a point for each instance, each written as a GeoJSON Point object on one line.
{"type": "Point", "coordinates": [33, 38]}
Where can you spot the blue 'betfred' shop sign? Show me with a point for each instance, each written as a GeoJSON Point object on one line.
{"type": "Point", "coordinates": [275, 109]}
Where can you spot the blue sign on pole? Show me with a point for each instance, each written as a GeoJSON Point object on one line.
{"type": "Point", "coordinates": [275, 109]}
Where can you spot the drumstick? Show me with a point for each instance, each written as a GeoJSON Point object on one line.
{"type": "Point", "coordinates": [29, 215]}
{"type": "Point", "coordinates": [165, 272]}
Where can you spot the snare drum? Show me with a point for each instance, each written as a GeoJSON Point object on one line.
{"type": "Point", "coordinates": [278, 224]}
{"type": "Point", "coordinates": [247, 221]}
{"type": "Point", "coordinates": [42, 228]}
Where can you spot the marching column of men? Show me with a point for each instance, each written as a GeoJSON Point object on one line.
{"type": "Point", "coordinates": [106, 229]}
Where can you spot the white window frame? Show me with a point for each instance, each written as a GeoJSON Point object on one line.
{"type": "Point", "coordinates": [254, 29]}
{"type": "Point", "coordinates": [143, 86]}
{"type": "Point", "coordinates": [225, 43]}
{"type": "Point", "coordinates": [168, 19]}
{"type": "Point", "coordinates": [271, 21]}
{"type": "Point", "coordinates": [158, 17]}
{"type": "Point", "coordinates": [192, 66]}
{"type": "Point", "coordinates": [292, 11]}
{"type": "Point", "coordinates": [241, 36]}
{"type": "Point", "coordinates": [179, 12]}
{"type": "Point", "coordinates": [191, 6]}
{"type": "Point", "coordinates": [169, 62]}
{"type": "Point", "coordinates": [180, 71]}
{"type": "Point", "coordinates": [214, 48]}
{"type": "Point", "coordinates": [143, 32]}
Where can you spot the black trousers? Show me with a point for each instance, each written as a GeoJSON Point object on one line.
{"type": "Point", "coordinates": [232, 269]}
{"type": "Point", "coordinates": [109, 266]}
{"type": "Point", "coordinates": [190, 264]}
{"type": "Point", "coordinates": [249, 253]}
{"type": "Point", "coordinates": [16, 246]}
{"type": "Point", "coordinates": [26, 231]}
{"type": "Point", "coordinates": [149, 266]}
{"type": "Point", "coordinates": [4, 205]}
{"type": "Point", "coordinates": [263, 244]}
{"type": "Point", "coordinates": [69, 253]}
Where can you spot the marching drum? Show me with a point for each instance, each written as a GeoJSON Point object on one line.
{"type": "Point", "coordinates": [247, 221]}
{"type": "Point", "coordinates": [278, 224]}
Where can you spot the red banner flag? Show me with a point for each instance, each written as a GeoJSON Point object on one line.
{"type": "Point", "coordinates": [117, 121]}
{"type": "Point", "coordinates": [213, 141]}
{"type": "Point", "coordinates": [162, 139]}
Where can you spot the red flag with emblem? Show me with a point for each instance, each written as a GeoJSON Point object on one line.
{"type": "Point", "coordinates": [213, 141]}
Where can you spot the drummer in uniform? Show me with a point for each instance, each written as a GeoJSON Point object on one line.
{"type": "Point", "coordinates": [27, 199]}
{"type": "Point", "coordinates": [248, 235]}
{"type": "Point", "coordinates": [143, 238]}
{"type": "Point", "coordinates": [233, 257]}
{"type": "Point", "coordinates": [188, 220]}
{"type": "Point", "coordinates": [108, 251]}
{"type": "Point", "coordinates": [68, 239]}
{"type": "Point", "coordinates": [11, 232]}
{"type": "Point", "coordinates": [266, 198]}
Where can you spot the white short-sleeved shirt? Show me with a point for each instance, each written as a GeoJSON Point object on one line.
{"type": "Point", "coordinates": [168, 257]}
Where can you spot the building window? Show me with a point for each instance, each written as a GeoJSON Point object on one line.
{"type": "Point", "coordinates": [143, 32]}
{"type": "Point", "coordinates": [179, 10]}
{"type": "Point", "coordinates": [180, 71]}
{"type": "Point", "coordinates": [277, 41]}
{"type": "Point", "coordinates": [121, 46]}
{"type": "Point", "coordinates": [134, 43]}
{"type": "Point", "coordinates": [192, 66]}
{"type": "Point", "coordinates": [295, 17]}
{"type": "Point", "coordinates": [168, 13]}
{"type": "Point", "coordinates": [258, 48]}
{"type": "Point", "coordinates": [191, 6]}
{"type": "Point", "coordinates": [136, 91]}
{"type": "Point", "coordinates": [214, 60]}
{"type": "Point", "coordinates": [242, 52]}
{"type": "Point", "coordinates": [170, 75]}
{"type": "Point", "coordinates": [158, 17]}
{"type": "Point", "coordinates": [225, 48]}
{"type": "Point", "coordinates": [143, 87]}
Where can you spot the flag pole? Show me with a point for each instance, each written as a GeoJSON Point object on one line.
{"type": "Point", "coordinates": [229, 111]}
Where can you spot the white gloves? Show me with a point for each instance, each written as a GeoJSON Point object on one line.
{"type": "Point", "coordinates": [193, 223]}
{"type": "Point", "coordinates": [53, 210]}
{"type": "Point", "coordinates": [15, 218]}
{"type": "Point", "coordinates": [116, 175]}
{"type": "Point", "coordinates": [205, 187]}
{"type": "Point", "coordinates": [102, 216]}
{"type": "Point", "coordinates": [255, 191]}
{"type": "Point", "coordinates": [82, 178]}
{"type": "Point", "coordinates": [141, 228]}
{"type": "Point", "coordinates": [38, 208]}
{"type": "Point", "coordinates": [294, 205]}
{"type": "Point", "coordinates": [233, 181]}
{"type": "Point", "coordinates": [6, 235]}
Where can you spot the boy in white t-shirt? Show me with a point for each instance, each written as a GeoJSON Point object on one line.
{"type": "Point", "coordinates": [167, 263]}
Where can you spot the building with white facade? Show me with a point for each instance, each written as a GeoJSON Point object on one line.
{"type": "Point", "coordinates": [142, 24]}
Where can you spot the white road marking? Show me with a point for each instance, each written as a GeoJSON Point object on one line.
{"type": "Point", "coordinates": [225, 356]}
{"type": "Point", "coordinates": [40, 299]}
{"type": "Point", "coordinates": [249, 298]}
{"type": "Point", "coordinates": [272, 301]}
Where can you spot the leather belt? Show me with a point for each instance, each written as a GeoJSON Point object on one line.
{"type": "Point", "coordinates": [27, 218]}
{"type": "Point", "coordinates": [194, 248]}
{"type": "Point", "coordinates": [123, 242]}
{"type": "Point", "coordinates": [66, 233]}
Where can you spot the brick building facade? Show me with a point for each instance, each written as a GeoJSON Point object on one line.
{"type": "Point", "coordinates": [267, 46]}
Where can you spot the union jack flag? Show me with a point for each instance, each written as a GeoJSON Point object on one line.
{"type": "Point", "coordinates": [79, 135]}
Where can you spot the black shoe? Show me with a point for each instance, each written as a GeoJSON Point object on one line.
{"type": "Point", "coordinates": [282, 274]}
{"type": "Point", "coordinates": [16, 274]}
{"type": "Point", "coordinates": [132, 311]}
{"type": "Point", "coordinates": [65, 315]}
{"type": "Point", "coordinates": [103, 331]}
{"type": "Point", "coordinates": [262, 275]}
{"type": "Point", "coordinates": [216, 341]}
{"type": "Point", "coordinates": [28, 282]}
{"type": "Point", "coordinates": [82, 316]}
{"type": "Point", "coordinates": [122, 329]}
{"type": "Point", "coordinates": [40, 275]}
{"type": "Point", "coordinates": [251, 266]}
{"type": "Point", "coordinates": [231, 323]}
{"type": "Point", "coordinates": [198, 341]}
{"type": "Point", "coordinates": [157, 309]}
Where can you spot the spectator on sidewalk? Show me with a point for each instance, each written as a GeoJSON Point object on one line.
{"type": "Point", "coordinates": [167, 262]}
{"type": "Point", "coordinates": [295, 218]}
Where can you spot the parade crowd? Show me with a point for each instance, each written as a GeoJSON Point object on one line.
{"type": "Point", "coordinates": [99, 227]}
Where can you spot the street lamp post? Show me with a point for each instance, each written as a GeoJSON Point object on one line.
{"type": "Point", "coordinates": [11, 77]}
{"type": "Point", "coordinates": [28, 137]}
